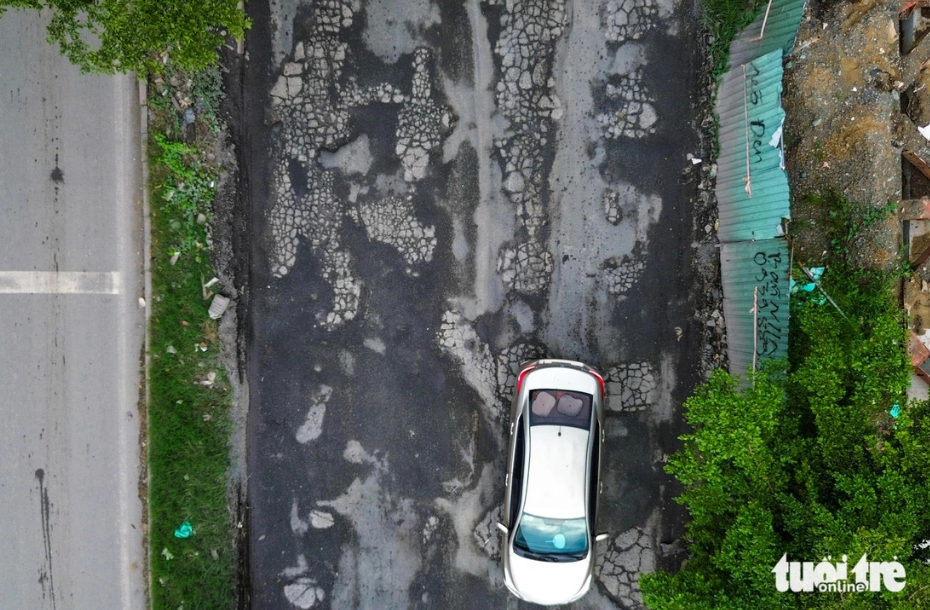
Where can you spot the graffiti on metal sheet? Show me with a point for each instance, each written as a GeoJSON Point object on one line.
{"type": "Point", "coordinates": [756, 132]}
{"type": "Point", "coordinates": [770, 314]}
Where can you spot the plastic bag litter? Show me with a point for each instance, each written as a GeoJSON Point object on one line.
{"type": "Point", "coordinates": [816, 274]}
{"type": "Point", "coordinates": [185, 530]}
{"type": "Point", "coordinates": [218, 306]}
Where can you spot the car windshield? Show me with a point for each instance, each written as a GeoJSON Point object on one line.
{"type": "Point", "coordinates": [555, 539]}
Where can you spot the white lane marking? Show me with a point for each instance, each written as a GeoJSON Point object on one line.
{"type": "Point", "coordinates": [59, 282]}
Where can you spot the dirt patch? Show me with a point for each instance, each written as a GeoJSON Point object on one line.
{"type": "Point", "coordinates": [845, 129]}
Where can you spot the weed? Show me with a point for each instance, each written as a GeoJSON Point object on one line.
{"type": "Point", "coordinates": [819, 154]}
{"type": "Point", "coordinates": [845, 221]}
{"type": "Point", "coordinates": [159, 101]}
{"type": "Point", "coordinates": [207, 91]}
{"type": "Point", "coordinates": [724, 19]}
{"type": "Point", "coordinates": [187, 189]}
{"type": "Point", "coordinates": [188, 443]}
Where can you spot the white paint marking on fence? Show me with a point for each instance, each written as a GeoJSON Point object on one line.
{"type": "Point", "coordinates": [59, 282]}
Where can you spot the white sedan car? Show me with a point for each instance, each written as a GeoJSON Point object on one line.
{"type": "Point", "coordinates": [552, 487]}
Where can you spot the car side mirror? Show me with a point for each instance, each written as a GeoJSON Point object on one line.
{"type": "Point", "coordinates": [502, 527]}
{"type": "Point", "coordinates": [601, 537]}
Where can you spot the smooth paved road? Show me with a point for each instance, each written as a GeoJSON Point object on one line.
{"type": "Point", "coordinates": [71, 330]}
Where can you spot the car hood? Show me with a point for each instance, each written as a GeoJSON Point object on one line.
{"type": "Point", "coordinates": [548, 583]}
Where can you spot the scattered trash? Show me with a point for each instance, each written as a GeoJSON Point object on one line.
{"type": "Point", "coordinates": [204, 287]}
{"type": "Point", "coordinates": [800, 47]}
{"type": "Point", "coordinates": [141, 301]}
{"type": "Point", "coordinates": [826, 165]}
{"type": "Point", "coordinates": [895, 410]}
{"type": "Point", "coordinates": [209, 380]}
{"type": "Point", "coordinates": [924, 131]}
{"type": "Point", "coordinates": [175, 257]}
{"type": "Point", "coordinates": [184, 323]}
{"type": "Point", "coordinates": [678, 333]}
{"type": "Point", "coordinates": [170, 349]}
{"type": "Point", "coordinates": [207, 416]}
{"type": "Point", "coordinates": [214, 554]}
{"type": "Point", "coordinates": [694, 160]}
{"type": "Point", "coordinates": [814, 276]}
{"type": "Point", "coordinates": [218, 306]}
{"type": "Point", "coordinates": [185, 530]}
{"type": "Point", "coordinates": [881, 79]}
{"type": "Point", "coordinates": [201, 218]}
{"type": "Point", "coordinates": [189, 116]}
{"type": "Point", "coordinates": [167, 554]}
{"type": "Point", "coordinates": [201, 346]}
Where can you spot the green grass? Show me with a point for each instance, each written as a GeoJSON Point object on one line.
{"type": "Point", "coordinates": [724, 19]}
{"type": "Point", "coordinates": [845, 222]}
{"type": "Point", "coordinates": [189, 428]}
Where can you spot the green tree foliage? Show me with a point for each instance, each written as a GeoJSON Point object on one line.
{"type": "Point", "coordinates": [806, 461]}
{"type": "Point", "coordinates": [139, 35]}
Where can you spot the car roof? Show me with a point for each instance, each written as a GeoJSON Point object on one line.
{"type": "Point", "coordinates": [555, 485]}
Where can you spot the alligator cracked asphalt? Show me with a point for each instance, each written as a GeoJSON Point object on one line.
{"type": "Point", "coordinates": [440, 190]}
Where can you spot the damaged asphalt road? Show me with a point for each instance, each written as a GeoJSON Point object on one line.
{"type": "Point", "coordinates": [439, 190]}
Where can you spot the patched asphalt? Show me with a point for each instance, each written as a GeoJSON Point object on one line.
{"type": "Point", "coordinates": [438, 191]}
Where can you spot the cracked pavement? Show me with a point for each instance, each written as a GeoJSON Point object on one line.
{"type": "Point", "coordinates": [438, 191]}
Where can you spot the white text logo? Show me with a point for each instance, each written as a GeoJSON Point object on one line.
{"type": "Point", "coordinates": [825, 576]}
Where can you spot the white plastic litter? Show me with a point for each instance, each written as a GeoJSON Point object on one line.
{"type": "Point", "coordinates": [218, 306]}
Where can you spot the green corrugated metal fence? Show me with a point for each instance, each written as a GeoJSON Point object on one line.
{"type": "Point", "coordinates": [752, 188]}
{"type": "Point", "coordinates": [755, 270]}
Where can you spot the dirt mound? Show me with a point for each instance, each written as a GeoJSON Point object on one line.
{"type": "Point", "coordinates": [845, 129]}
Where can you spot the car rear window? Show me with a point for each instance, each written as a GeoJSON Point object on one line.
{"type": "Point", "coordinates": [560, 407]}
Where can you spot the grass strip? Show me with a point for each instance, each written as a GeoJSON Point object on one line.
{"type": "Point", "coordinates": [724, 19]}
{"type": "Point", "coordinates": [189, 428]}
